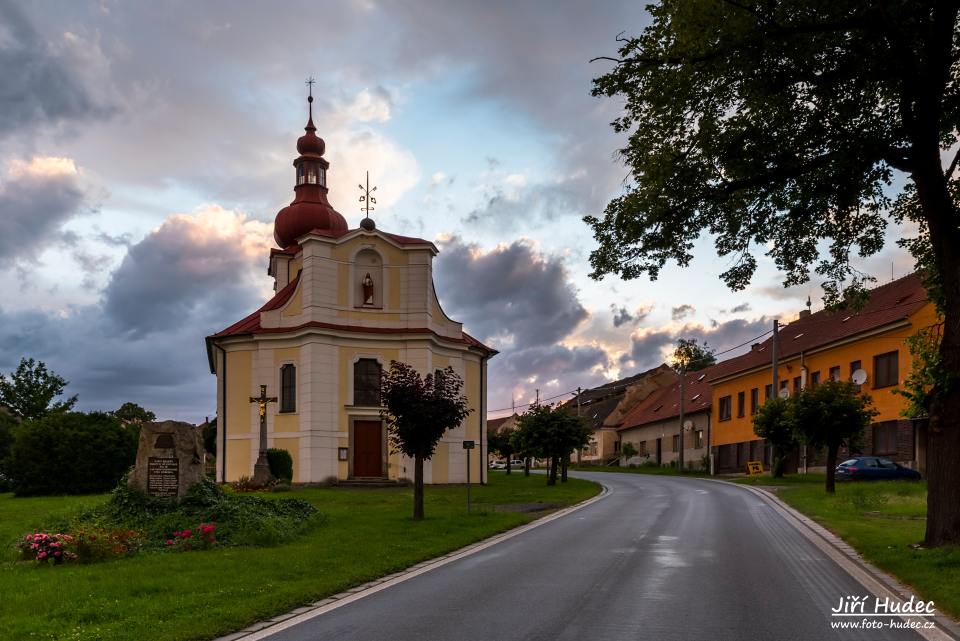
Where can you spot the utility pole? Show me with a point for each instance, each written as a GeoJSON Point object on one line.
{"type": "Point", "coordinates": [538, 396]}
{"type": "Point", "coordinates": [579, 451]}
{"type": "Point", "coordinates": [683, 375]}
{"type": "Point", "coordinates": [776, 367]}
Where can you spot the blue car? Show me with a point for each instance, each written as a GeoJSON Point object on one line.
{"type": "Point", "coordinates": [873, 468]}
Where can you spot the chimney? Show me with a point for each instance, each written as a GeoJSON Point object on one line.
{"type": "Point", "coordinates": [755, 347]}
{"type": "Point", "coordinates": [804, 313]}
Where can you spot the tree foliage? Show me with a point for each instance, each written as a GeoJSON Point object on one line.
{"type": "Point", "coordinates": [501, 443]}
{"type": "Point", "coordinates": [418, 411]}
{"type": "Point", "coordinates": [30, 391]}
{"type": "Point", "coordinates": [132, 414]}
{"type": "Point", "coordinates": [774, 422]}
{"type": "Point", "coordinates": [628, 450]}
{"type": "Point", "coordinates": [70, 453]}
{"type": "Point", "coordinates": [829, 415]}
{"type": "Point", "coordinates": [692, 356]}
{"type": "Point", "coordinates": [552, 432]}
{"type": "Point", "coordinates": [784, 129]}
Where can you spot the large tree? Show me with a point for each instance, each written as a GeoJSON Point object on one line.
{"type": "Point", "coordinates": [774, 422]}
{"type": "Point", "coordinates": [831, 415]}
{"type": "Point", "coordinates": [552, 433]}
{"type": "Point", "coordinates": [500, 443]}
{"type": "Point", "coordinates": [691, 356]}
{"type": "Point", "coordinates": [418, 412]}
{"type": "Point", "coordinates": [29, 392]}
{"type": "Point", "coordinates": [786, 128]}
{"type": "Point", "coordinates": [132, 414]}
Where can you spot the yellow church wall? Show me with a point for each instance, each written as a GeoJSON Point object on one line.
{"type": "Point", "coordinates": [239, 372]}
{"type": "Point", "coordinates": [440, 463]}
{"type": "Point", "coordinates": [295, 266]}
{"type": "Point", "coordinates": [471, 387]}
{"type": "Point", "coordinates": [294, 306]}
{"type": "Point", "coordinates": [889, 405]}
{"type": "Point", "coordinates": [343, 285]}
{"type": "Point", "coordinates": [291, 445]}
{"type": "Point", "coordinates": [391, 255]}
{"type": "Point", "coordinates": [393, 290]}
{"type": "Point", "coordinates": [371, 314]}
{"type": "Point", "coordinates": [239, 462]}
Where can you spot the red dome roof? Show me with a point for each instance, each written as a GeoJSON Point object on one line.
{"type": "Point", "coordinates": [310, 144]}
{"type": "Point", "coordinates": [301, 217]}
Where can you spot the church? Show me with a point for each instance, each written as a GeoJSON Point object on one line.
{"type": "Point", "coordinates": [346, 303]}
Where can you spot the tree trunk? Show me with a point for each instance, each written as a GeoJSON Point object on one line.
{"type": "Point", "coordinates": [563, 468]}
{"type": "Point", "coordinates": [552, 472]}
{"type": "Point", "coordinates": [526, 466]}
{"type": "Point", "coordinates": [832, 450]}
{"type": "Point", "coordinates": [943, 432]}
{"type": "Point", "coordinates": [779, 461]}
{"type": "Point", "coordinates": [418, 488]}
{"type": "Point", "coordinates": [508, 464]}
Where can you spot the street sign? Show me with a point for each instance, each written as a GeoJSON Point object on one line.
{"type": "Point", "coordinates": [468, 445]}
{"type": "Point", "coordinates": [754, 467]}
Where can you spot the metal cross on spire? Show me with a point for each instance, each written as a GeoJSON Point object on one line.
{"type": "Point", "coordinates": [309, 84]}
{"type": "Point", "coordinates": [366, 198]}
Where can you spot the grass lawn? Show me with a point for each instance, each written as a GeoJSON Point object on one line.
{"type": "Point", "coordinates": [881, 519]}
{"type": "Point", "coordinates": [200, 595]}
{"type": "Point", "coordinates": [663, 470]}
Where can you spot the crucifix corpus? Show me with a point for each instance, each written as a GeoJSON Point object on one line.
{"type": "Point", "coordinates": [261, 471]}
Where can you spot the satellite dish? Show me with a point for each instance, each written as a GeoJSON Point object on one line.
{"type": "Point", "coordinates": [859, 377]}
{"type": "Point", "coordinates": [688, 425]}
{"type": "Point", "coordinates": [784, 392]}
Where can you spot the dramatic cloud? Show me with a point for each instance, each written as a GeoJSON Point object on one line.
{"type": "Point", "coordinates": [622, 316]}
{"type": "Point", "coordinates": [197, 266]}
{"type": "Point", "coordinates": [682, 311]}
{"type": "Point", "coordinates": [649, 348]}
{"type": "Point", "coordinates": [36, 198]}
{"type": "Point", "coordinates": [40, 83]}
{"type": "Point", "coordinates": [511, 295]}
{"type": "Point", "coordinates": [742, 307]}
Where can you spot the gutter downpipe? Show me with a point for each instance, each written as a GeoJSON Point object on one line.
{"type": "Point", "coordinates": [483, 417]}
{"type": "Point", "coordinates": [222, 419]}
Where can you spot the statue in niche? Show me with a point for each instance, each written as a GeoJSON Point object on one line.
{"type": "Point", "coordinates": [367, 284]}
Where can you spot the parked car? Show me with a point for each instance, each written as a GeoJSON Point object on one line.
{"type": "Point", "coordinates": [498, 465]}
{"type": "Point", "coordinates": [516, 463]}
{"type": "Point", "coordinates": [872, 468]}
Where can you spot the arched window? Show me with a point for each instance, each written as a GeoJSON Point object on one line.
{"type": "Point", "coordinates": [288, 388]}
{"type": "Point", "coordinates": [366, 383]}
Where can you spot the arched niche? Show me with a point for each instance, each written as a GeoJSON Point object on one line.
{"type": "Point", "coordinates": [368, 281]}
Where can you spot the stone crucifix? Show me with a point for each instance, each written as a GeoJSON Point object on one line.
{"type": "Point", "coordinates": [261, 471]}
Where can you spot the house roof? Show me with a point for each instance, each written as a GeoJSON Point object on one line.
{"type": "Point", "coordinates": [597, 403]}
{"type": "Point", "coordinates": [887, 304]}
{"type": "Point", "coordinates": [665, 403]}
{"type": "Point", "coordinates": [494, 425]}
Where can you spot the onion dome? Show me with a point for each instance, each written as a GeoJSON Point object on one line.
{"type": "Point", "coordinates": [310, 209]}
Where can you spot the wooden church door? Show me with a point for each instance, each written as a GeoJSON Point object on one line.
{"type": "Point", "coordinates": [367, 449]}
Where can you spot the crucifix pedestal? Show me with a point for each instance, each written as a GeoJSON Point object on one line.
{"type": "Point", "coordinates": [261, 470]}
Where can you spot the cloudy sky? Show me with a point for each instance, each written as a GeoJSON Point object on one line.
{"type": "Point", "coordinates": [145, 149]}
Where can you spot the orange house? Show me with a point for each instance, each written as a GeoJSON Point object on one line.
{"type": "Point", "coordinates": [821, 346]}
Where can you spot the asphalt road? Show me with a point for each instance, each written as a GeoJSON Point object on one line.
{"type": "Point", "coordinates": [661, 558]}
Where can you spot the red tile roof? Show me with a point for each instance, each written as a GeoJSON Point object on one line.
{"type": "Point", "coordinates": [887, 304]}
{"type": "Point", "coordinates": [251, 323]}
{"type": "Point", "coordinates": [665, 403]}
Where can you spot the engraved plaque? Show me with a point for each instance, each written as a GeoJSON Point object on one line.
{"type": "Point", "coordinates": [163, 476]}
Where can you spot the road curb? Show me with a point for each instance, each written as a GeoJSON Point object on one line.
{"type": "Point", "coordinates": [265, 629]}
{"type": "Point", "coordinates": [843, 554]}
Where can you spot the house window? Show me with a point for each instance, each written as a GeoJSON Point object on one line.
{"type": "Point", "coordinates": [616, 446]}
{"type": "Point", "coordinates": [676, 443]}
{"type": "Point", "coordinates": [642, 448]}
{"type": "Point", "coordinates": [754, 400]}
{"type": "Point", "coordinates": [698, 439]}
{"type": "Point", "coordinates": [854, 366]}
{"type": "Point", "coordinates": [768, 391]}
{"type": "Point", "coordinates": [814, 379]}
{"type": "Point", "coordinates": [835, 373]}
{"type": "Point", "coordinates": [885, 438]}
{"type": "Point", "coordinates": [288, 388]}
{"type": "Point", "coordinates": [885, 370]}
{"type": "Point", "coordinates": [726, 407]}
{"type": "Point", "coordinates": [797, 385]}
{"type": "Point", "coordinates": [366, 383]}
{"type": "Point", "coordinates": [740, 403]}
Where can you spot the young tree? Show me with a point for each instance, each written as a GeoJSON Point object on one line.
{"type": "Point", "coordinates": [691, 356]}
{"type": "Point", "coordinates": [29, 391]}
{"type": "Point", "coordinates": [522, 446]}
{"type": "Point", "coordinates": [501, 444]}
{"type": "Point", "coordinates": [552, 433]}
{"type": "Point", "coordinates": [418, 411]}
{"type": "Point", "coordinates": [780, 127]}
{"type": "Point", "coordinates": [628, 451]}
{"type": "Point", "coordinates": [133, 414]}
{"type": "Point", "coordinates": [830, 415]}
{"type": "Point", "coordinates": [774, 422]}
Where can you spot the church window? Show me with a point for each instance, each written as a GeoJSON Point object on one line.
{"type": "Point", "coordinates": [288, 388]}
{"type": "Point", "coordinates": [366, 383]}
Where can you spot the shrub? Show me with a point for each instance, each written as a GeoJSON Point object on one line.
{"type": "Point", "coordinates": [70, 453]}
{"type": "Point", "coordinates": [281, 463]}
{"type": "Point", "coordinates": [100, 544]}
{"type": "Point", "coordinates": [42, 547]}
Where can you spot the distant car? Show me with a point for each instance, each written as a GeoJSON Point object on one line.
{"type": "Point", "coordinates": [873, 468]}
{"type": "Point", "coordinates": [498, 465]}
{"type": "Point", "coordinates": [516, 463]}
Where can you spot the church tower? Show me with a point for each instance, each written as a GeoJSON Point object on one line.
{"type": "Point", "coordinates": [346, 303]}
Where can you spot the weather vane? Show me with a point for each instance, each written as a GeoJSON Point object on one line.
{"type": "Point", "coordinates": [366, 198]}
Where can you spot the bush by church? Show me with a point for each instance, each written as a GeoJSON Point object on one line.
{"type": "Point", "coordinates": [281, 464]}
{"type": "Point", "coordinates": [69, 453]}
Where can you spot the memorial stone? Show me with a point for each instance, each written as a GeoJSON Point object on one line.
{"type": "Point", "coordinates": [169, 459]}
